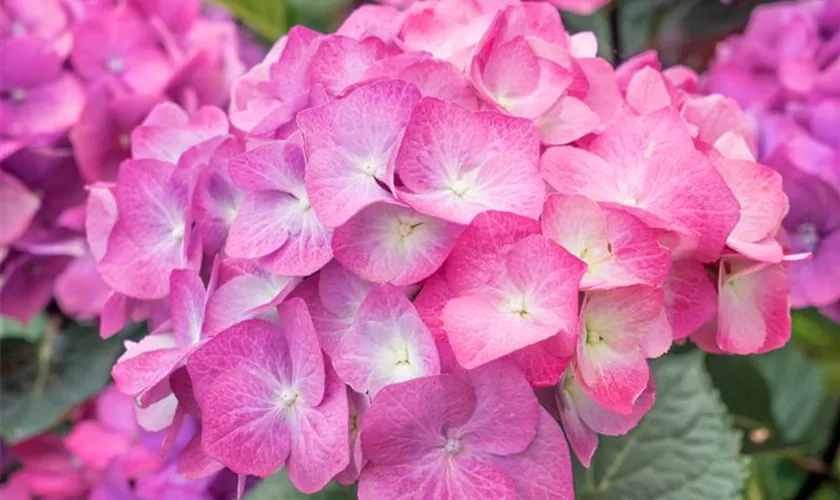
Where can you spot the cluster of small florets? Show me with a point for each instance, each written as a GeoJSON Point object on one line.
{"type": "Point", "coordinates": [400, 230]}
{"type": "Point", "coordinates": [108, 455]}
{"type": "Point", "coordinates": [784, 70]}
{"type": "Point", "coordinates": [77, 77]}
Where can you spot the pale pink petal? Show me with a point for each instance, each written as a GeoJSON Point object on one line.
{"type": "Point", "coordinates": [753, 312]}
{"type": "Point", "coordinates": [19, 207]}
{"type": "Point", "coordinates": [388, 343]}
{"type": "Point", "coordinates": [260, 226]}
{"type": "Point", "coordinates": [387, 243]}
{"type": "Point", "coordinates": [187, 297]}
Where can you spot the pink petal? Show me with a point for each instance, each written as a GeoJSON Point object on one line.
{"type": "Point", "coordinates": [146, 363]}
{"type": "Point", "coordinates": [690, 298]}
{"type": "Point", "coordinates": [244, 297]}
{"type": "Point", "coordinates": [451, 162]}
{"type": "Point", "coordinates": [350, 143]}
{"type": "Point", "coordinates": [437, 479]}
{"type": "Point", "coordinates": [388, 343]}
{"type": "Point", "coordinates": [650, 166]}
{"type": "Point", "coordinates": [647, 91]}
{"type": "Point", "coordinates": [501, 385]}
{"type": "Point", "coordinates": [320, 438]}
{"type": "Point", "coordinates": [339, 62]}
{"type": "Point", "coordinates": [19, 207]}
{"type": "Point", "coordinates": [260, 226]}
{"type": "Point", "coordinates": [243, 425]}
{"type": "Point", "coordinates": [168, 132]}
{"type": "Point", "coordinates": [401, 426]}
{"type": "Point", "coordinates": [188, 297]}
{"type": "Point", "coordinates": [95, 445]}
{"type": "Point", "coordinates": [152, 199]}
{"type": "Point", "coordinates": [276, 166]}
{"type": "Point", "coordinates": [763, 206]}
{"type": "Point", "coordinates": [476, 258]}
{"type": "Point", "coordinates": [430, 303]}
{"type": "Point", "coordinates": [251, 342]}
{"type": "Point", "coordinates": [304, 351]}
{"type": "Point", "coordinates": [544, 469]}
{"type": "Point", "coordinates": [753, 312]}
{"type": "Point", "coordinates": [393, 244]}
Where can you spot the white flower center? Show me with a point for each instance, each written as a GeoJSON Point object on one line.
{"type": "Point", "coordinates": [115, 65]}
{"type": "Point", "coordinates": [18, 95]}
{"type": "Point", "coordinates": [808, 236]}
{"type": "Point", "coordinates": [288, 397]}
{"type": "Point", "coordinates": [452, 446]}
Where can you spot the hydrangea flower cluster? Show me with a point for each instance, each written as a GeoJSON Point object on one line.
{"type": "Point", "coordinates": [107, 455]}
{"type": "Point", "coordinates": [580, 7]}
{"type": "Point", "coordinates": [784, 70]}
{"type": "Point", "coordinates": [398, 231]}
{"type": "Point", "coordinates": [78, 76]}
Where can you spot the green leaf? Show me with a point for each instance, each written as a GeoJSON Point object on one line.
{"type": "Point", "coordinates": [797, 390]}
{"type": "Point", "coordinates": [265, 17]}
{"type": "Point", "coordinates": [684, 448]}
{"type": "Point", "coordinates": [41, 383]}
{"type": "Point", "coordinates": [278, 487]}
{"type": "Point", "coordinates": [31, 332]}
{"type": "Point", "coordinates": [743, 390]}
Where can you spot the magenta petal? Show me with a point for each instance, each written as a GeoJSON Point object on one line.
{"type": "Point", "coordinates": [320, 438]}
{"type": "Point", "coordinates": [690, 298]}
{"type": "Point", "coordinates": [250, 342]}
{"type": "Point", "coordinates": [467, 478]}
{"type": "Point", "coordinates": [243, 424]}
{"type": "Point", "coordinates": [501, 385]}
{"type": "Point", "coordinates": [544, 469]}
{"type": "Point", "coordinates": [188, 297]}
{"type": "Point", "coordinates": [304, 352]}
{"type": "Point", "coordinates": [402, 426]}
{"type": "Point", "coordinates": [19, 206]}
{"type": "Point", "coordinates": [259, 227]}
{"type": "Point", "coordinates": [386, 243]}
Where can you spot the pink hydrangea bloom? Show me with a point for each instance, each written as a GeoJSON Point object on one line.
{"type": "Point", "coordinates": [401, 228]}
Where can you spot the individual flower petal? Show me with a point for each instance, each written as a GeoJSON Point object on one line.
{"type": "Point", "coordinates": [388, 243]}
{"type": "Point", "coordinates": [533, 300]}
{"type": "Point", "coordinates": [753, 313]}
{"type": "Point", "coordinates": [388, 343]}
{"type": "Point", "coordinates": [168, 131]}
{"type": "Point", "coordinates": [610, 364]}
{"type": "Point", "coordinates": [19, 207]}
{"type": "Point", "coordinates": [619, 249]}
{"type": "Point", "coordinates": [349, 143]}
{"type": "Point", "coordinates": [455, 163]}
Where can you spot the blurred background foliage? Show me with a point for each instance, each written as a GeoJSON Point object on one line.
{"type": "Point", "coordinates": [760, 428]}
